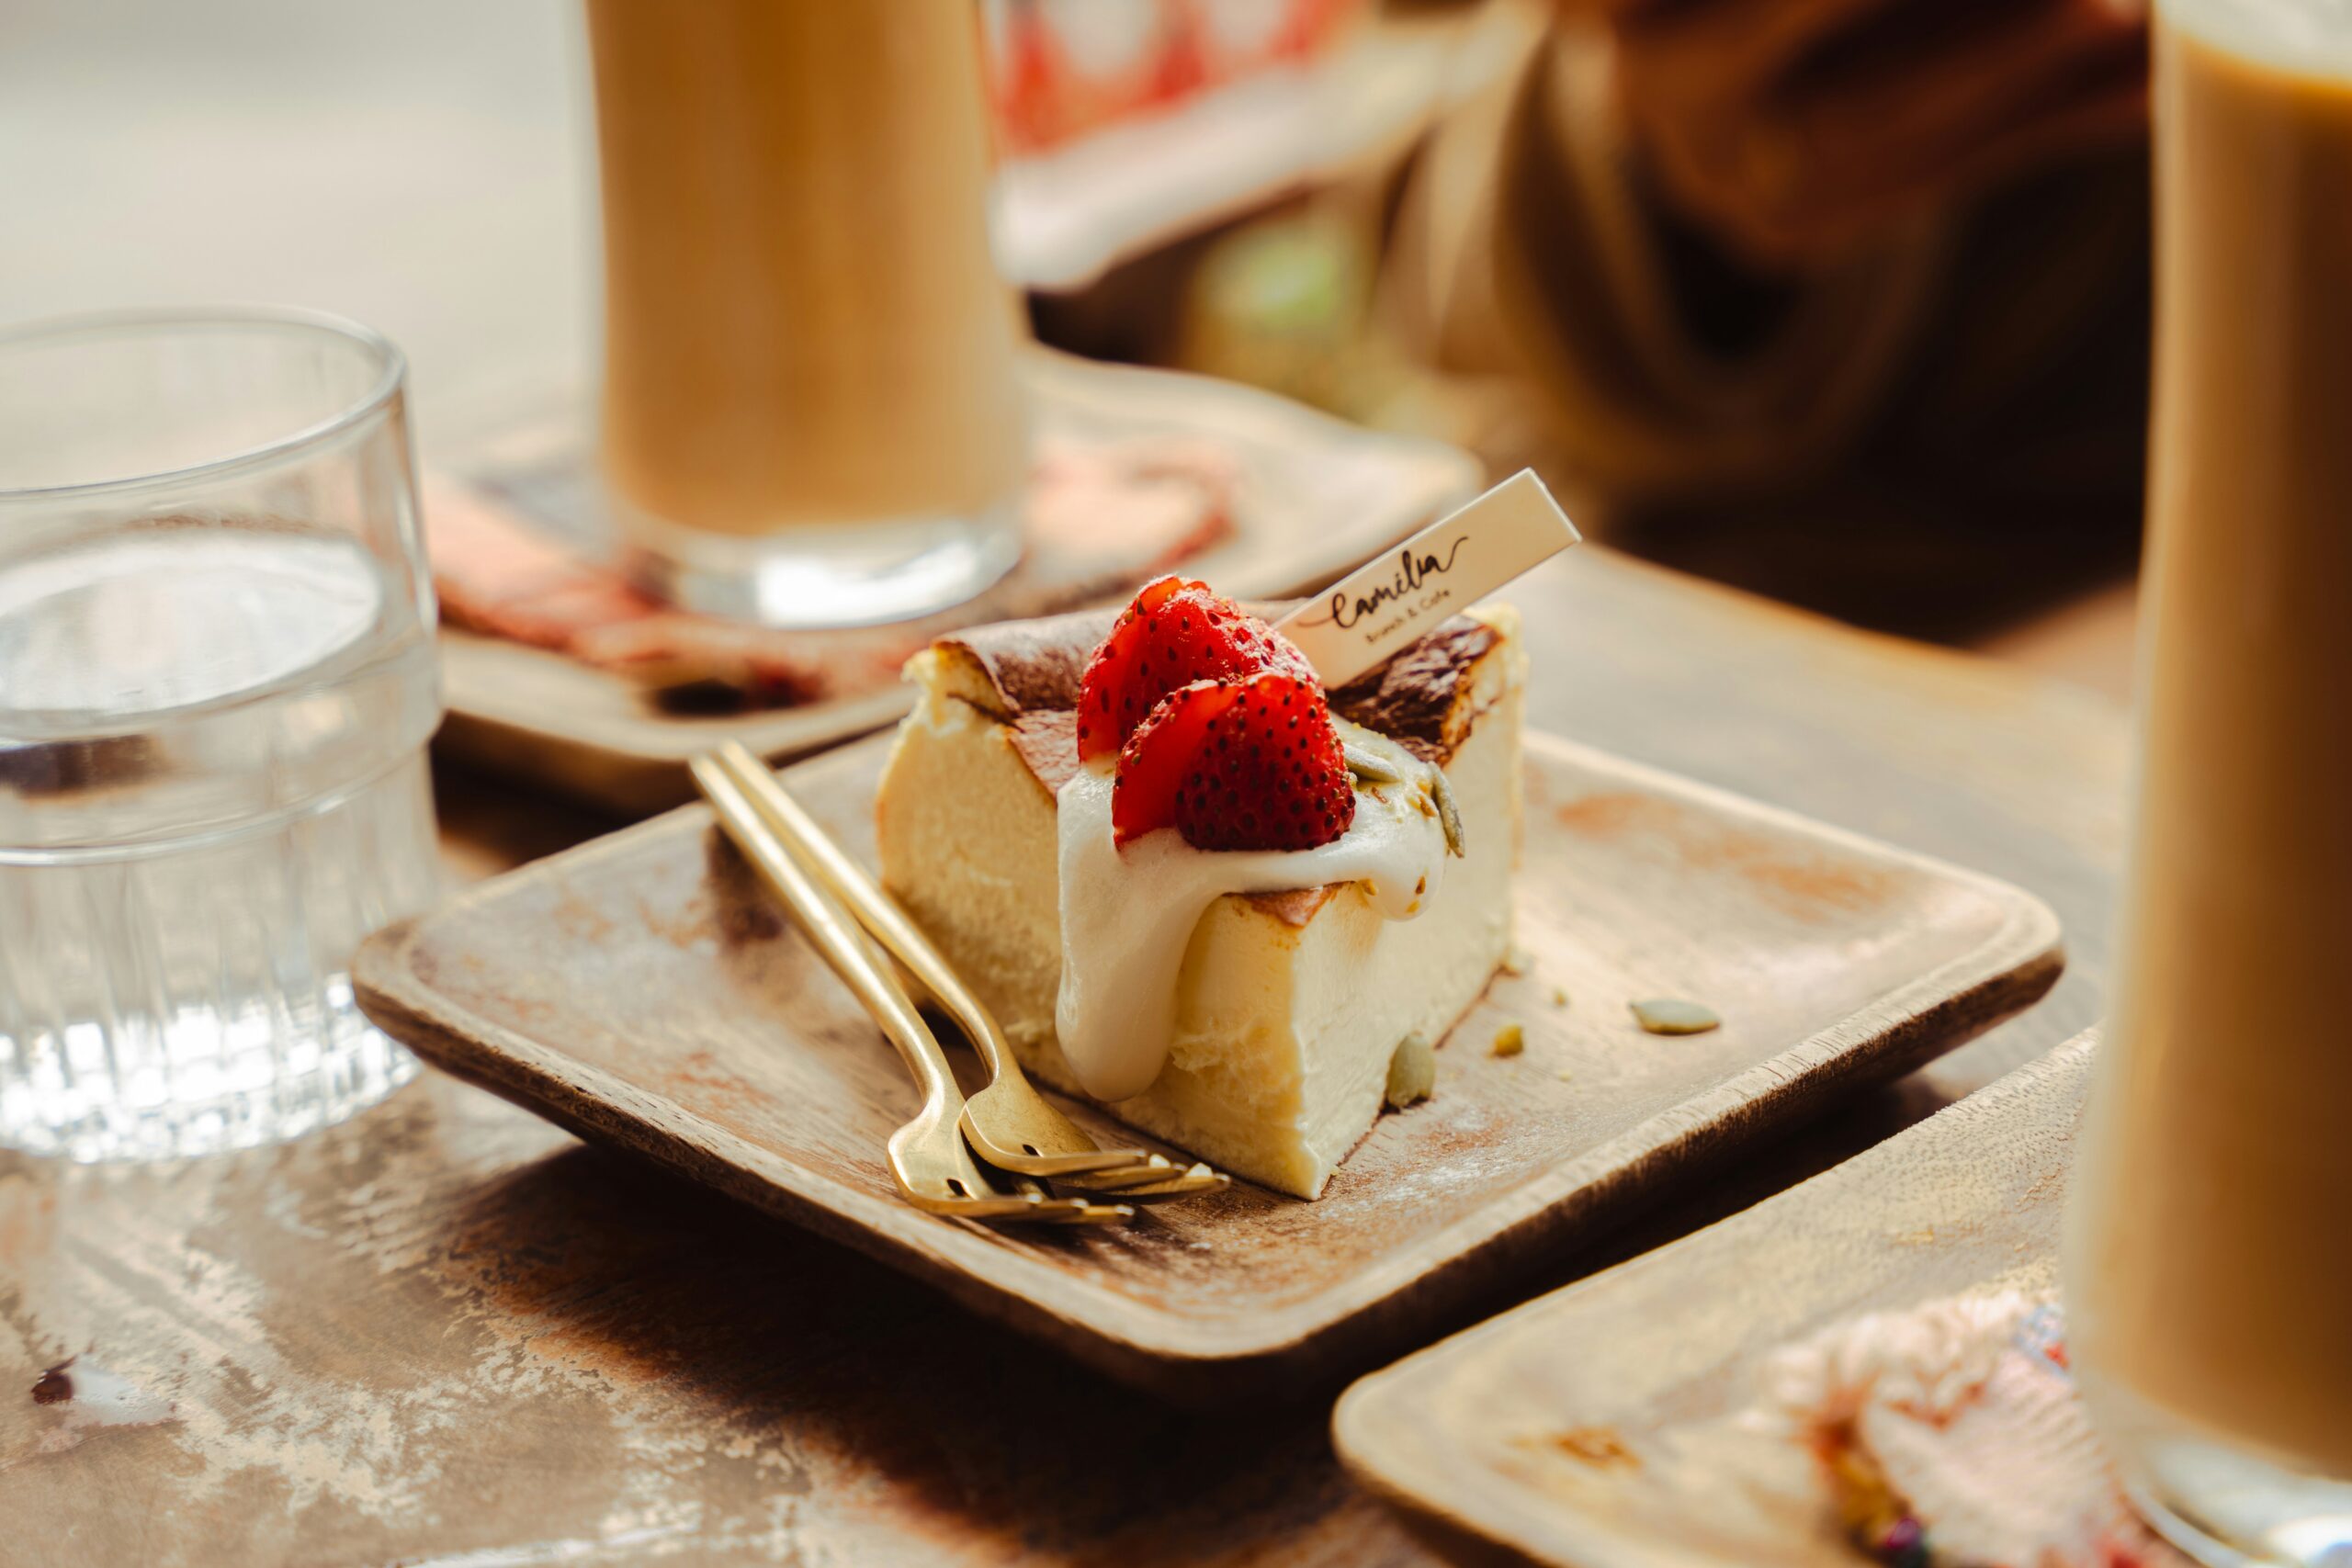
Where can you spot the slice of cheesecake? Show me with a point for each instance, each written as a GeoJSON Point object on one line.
{"type": "Point", "coordinates": [1288, 1004]}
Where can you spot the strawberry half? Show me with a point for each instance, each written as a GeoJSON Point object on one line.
{"type": "Point", "coordinates": [1174, 634]}
{"type": "Point", "coordinates": [1159, 755]}
{"type": "Point", "coordinates": [1236, 765]}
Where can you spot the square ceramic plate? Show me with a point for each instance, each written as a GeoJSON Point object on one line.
{"type": "Point", "coordinates": [1460, 1436]}
{"type": "Point", "coordinates": [1314, 498]}
{"type": "Point", "coordinates": [642, 991]}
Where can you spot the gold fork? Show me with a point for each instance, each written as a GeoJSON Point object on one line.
{"type": "Point", "coordinates": [927, 1155]}
{"type": "Point", "coordinates": [1012, 1125]}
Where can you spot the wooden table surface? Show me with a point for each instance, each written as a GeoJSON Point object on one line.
{"type": "Point", "coordinates": [446, 1333]}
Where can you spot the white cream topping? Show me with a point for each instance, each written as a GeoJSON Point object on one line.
{"type": "Point", "coordinates": [1127, 914]}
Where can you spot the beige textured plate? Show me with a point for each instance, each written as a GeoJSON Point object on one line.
{"type": "Point", "coordinates": [1460, 1436]}
{"type": "Point", "coordinates": [640, 990]}
{"type": "Point", "coordinates": [1314, 498]}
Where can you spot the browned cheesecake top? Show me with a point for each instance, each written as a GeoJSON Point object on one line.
{"type": "Point", "coordinates": [1036, 665]}
{"type": "Point", "coordinates": [1415, 699]}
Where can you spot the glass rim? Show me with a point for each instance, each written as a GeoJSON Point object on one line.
{"type": "Point", "coordinates": [2304, 40]}
{"type": "Point", "coordinates": [392, 370]}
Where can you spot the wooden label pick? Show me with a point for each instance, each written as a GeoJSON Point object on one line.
{"type": "Point", "coordinates": [1398, 598]}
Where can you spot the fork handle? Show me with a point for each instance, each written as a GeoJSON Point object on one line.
{"type": "Point", "coordinates": [836, 938]}
{"type": "Point", "coordinates": [872, 907]}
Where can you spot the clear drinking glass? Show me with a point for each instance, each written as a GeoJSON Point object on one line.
{"type": "Point", "coordinates": [812, 415]}
{"type": "Point", "coordinates": [217, 678]}
{"type": "Point", "coordinates": [2208, 1254]}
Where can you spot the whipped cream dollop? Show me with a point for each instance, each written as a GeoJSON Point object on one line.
{"type": "Point", "coordinates": [1127, 914]}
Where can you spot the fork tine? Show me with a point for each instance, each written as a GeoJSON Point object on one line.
{"type": "Point", "coordinates": [1199, 1180]}
{"type": "Point", "coordinates": [997, 1208]}
{"type": "Point", "coordinates": [1051, 1210]}
{"type": "Point", "coordinates": [1072, 1207]}
{"type": "Point", "coordinates": [1079, 1168]}
{"type": "Point", "coordinates": [1077, 1212]}
{"type": "Point", "coordinates": [1152, 1171]}
{"type": "Point", "coordinates": [1028, 1207]}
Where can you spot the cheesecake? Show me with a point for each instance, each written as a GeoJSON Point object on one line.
{"type": "Point", "coordinates": [1241, 1000]}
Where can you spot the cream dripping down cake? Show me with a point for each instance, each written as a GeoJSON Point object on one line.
{"type": "Point", "coordinates": [1156, 848]}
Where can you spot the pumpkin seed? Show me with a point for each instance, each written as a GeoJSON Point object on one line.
{"type": "Point", "coordinates": [1412, 1072]}
{"type": "Point", "coordinates": [1448, 818]}
{"type": "Point", "coordinates": [1671, 1015]}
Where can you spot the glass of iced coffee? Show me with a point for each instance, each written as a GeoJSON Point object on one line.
{"type": "Point", "coordinates": [810, 411]}
{"type": "Point", "coordinates": [2209, 1265]}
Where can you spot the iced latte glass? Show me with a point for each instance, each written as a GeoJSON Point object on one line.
{"type": "Point", "coordinates": [810, 411]}
{"type": "Point", "coordinates": [2208, 1260]}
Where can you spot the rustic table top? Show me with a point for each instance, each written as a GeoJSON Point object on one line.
{"type": "Point", "coordinates": [446, 1333]}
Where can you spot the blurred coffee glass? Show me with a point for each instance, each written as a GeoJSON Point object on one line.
{"type": "Point", "coordinates": [811, 414]}
{"type": "Point", "coordinates": [2209, 1259]}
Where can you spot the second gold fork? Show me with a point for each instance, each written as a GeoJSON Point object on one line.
{"type": "Point", "coordinates": [926, 1157]}
{"type": "Point", "coordinates": [1008, 1123]}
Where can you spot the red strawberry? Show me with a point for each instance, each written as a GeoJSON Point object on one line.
{"type": "Point", "coordinates": [1174, 634]}
{"type": "Point", "coordinates": [1247, 765]}
{"type": "Point", "coordinates": [1158, 756]}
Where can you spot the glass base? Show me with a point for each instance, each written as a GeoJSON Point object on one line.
{"type": "Point", "coordinates": [273, 1090]}
{"type": "Point", "coordinates": [184, 997]}
{"type": "Point", "coordinates": [2225, 1505]}
{"type": "Point", "coordinates": [851, 574]}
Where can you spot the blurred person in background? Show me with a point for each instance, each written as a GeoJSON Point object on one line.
{"type": "Point", "coordinates": [1843, 299]}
